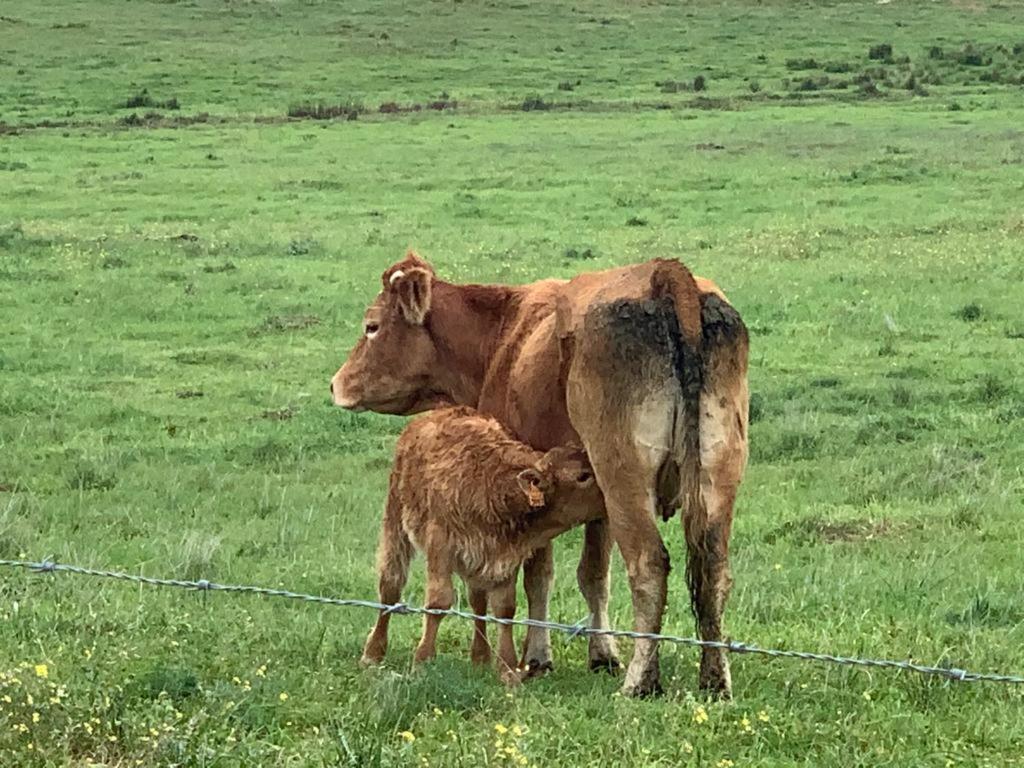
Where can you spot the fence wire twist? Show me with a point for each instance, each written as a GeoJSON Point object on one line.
{"type": "Point", "coordinates": [572, 630]}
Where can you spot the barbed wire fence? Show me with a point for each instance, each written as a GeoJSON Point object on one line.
{"type": "Point", "coordinates": [571, 630]}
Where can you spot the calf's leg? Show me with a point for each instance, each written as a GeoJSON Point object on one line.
{"type": "Point", "coordinates": [538, 573]}
{"type": "Point", "coordinates": [480, 650]}
{"type": "Point", "coordinates": [439, 595]}
{"type": "Point", "coordinates": [592, 576]}
{"type": "Point", "coordinates": [394, 551]}
{"type": "Point", "coordinates": [503, 605]}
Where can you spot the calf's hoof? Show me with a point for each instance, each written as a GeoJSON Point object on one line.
{"type": "Point", "coordinates": [370, 660]}
{"type": "Point", "coordinates": [536, 668]}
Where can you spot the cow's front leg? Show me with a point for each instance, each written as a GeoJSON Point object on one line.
{"type": "Point", "coordinates": [592, 577]}
{"type": "Point", "coordinates": [538, 572]}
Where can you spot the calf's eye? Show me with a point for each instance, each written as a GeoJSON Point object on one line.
{"type": "Point", "coordinates": [371, 330]}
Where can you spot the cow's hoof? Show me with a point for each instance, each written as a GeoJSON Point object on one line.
{"type": "Point", "coordinates": [536, 668]}
{"type": "Point", "coordinates": [718, 689]}
{"type": "Point", "coordinates": [715, 679]}
{"type": "Point", "coordinates": [643, 690]}
{"type": "Point", "coordinates": [643, 684]}
{"type": "Point", "coordinates": [609, 664]}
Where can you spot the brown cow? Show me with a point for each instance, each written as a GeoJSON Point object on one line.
{"type": "Point", "coordinates": [477, 502]}
{"type": "Point", "coordinates": [643, 364]}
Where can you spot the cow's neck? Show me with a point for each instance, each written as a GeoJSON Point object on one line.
{"type": "Point", "coordinates": [467, 322]}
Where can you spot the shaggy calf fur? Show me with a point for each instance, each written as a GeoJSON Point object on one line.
{"type": "Point", "coordinates": [478, 503]}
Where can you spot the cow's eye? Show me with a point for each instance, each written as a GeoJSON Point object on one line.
{"type": "Point", "coordinates": [371, 330]}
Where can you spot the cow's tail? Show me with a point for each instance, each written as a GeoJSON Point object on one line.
{"type": "Point", "coordinates": [673, 281]}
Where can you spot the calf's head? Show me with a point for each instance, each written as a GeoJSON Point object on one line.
{"type": "Point", "coordinates": [391, 368]}
{"type": "Point", "coordinates": [562, 482]}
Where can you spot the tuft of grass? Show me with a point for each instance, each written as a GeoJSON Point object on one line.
{"type": "Point", "coordinates": [970, 313]}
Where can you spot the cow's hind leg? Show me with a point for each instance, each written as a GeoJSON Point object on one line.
{"type": "Point", "coordinates": [592, 576]}
{"type": "Point", "coordinates": [631, 506]}
{"type": "Point", "coordinates": [538, 572]}
{"type": "Point", "coordinates": [723, 457]}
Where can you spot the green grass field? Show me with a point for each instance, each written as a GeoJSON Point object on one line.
{"type": "Point", "coordinates": [180, 278]}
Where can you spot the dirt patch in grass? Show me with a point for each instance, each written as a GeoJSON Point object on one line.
{"type": "Point", "coordinates": [279, 414]}
{"type": "Point", "coordinates": [279, 323]}
{"type": "Point", "coordinates": [815, 529]}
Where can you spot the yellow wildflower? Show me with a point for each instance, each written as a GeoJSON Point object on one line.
{"type": "Point", "coordinates": [725, 763]}
{"type": "Point", "coordinates": [283, 696]}
{"type": "Point", "coordinates": [700, 715]}
{"type": "Point", "coordinates": [408, 736]}
{"type": "Point", "coordinates": [35, 717]}
{"type": "Point", "coordinates": [501, 729]}
{"type": "Point", "coordinates": [437, 712]}
{"type": "Point", "coordinates": [763, 716]}
{"type": "Point", "coordinates": [866, 695]}
{"type": "Point", "coordinates": [687, 747]}
{"type": "Point", "coordinates": [518, 730]}
{"type": "Point", "coordinates": [262, 671]}
{"type": "Point", "coordinates": [42, 671]}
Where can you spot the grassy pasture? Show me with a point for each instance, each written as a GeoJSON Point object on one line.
{"type": "Point", "coordinates": [179, 278]}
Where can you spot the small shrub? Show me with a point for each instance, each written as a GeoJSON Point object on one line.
{"type": "Point", "coordinates": [348, 110]}
{"type": "Point", "coordinates": [969, 313]}
{"type": "Point", "coordinates": [755, 408]}
{"type": "Point", "coordinates": [880, 52]}
{"type": "Point", "coordinates": [636, 221]}
{"type": "Point", "coordinates": [991, 389]}
{"type": "Point", "coordinates": [754, 86]}
{"type": "Point", "coordinates": [699, 83]}
{"type": "Point", "coordinates": [969, 56]}
{"type": "Point", "coordinates": [534, 104]}
{"type": "Point", "coordinates": [936, 53]}
{"type": "Point", "coordinates": [143, 99]}
{"type": "Point", "coordinates": [673, 86]}
{"type": "Point", "coordinates": [580, 253]}
{"type": "Point", "coordinates": [796, 65]}
{"type": "Point", "coordinates": [837, 67]}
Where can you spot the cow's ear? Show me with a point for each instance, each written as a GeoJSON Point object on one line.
{"type": "Point", "coordinates": [530, 483]}
{"type": "Point", "coordinates": [412, 289]}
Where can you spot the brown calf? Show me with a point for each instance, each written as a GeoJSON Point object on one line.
{"type": "Point", "coordinates": [645, 365]}
{"type": "Point", "coordinates": [478, 503]}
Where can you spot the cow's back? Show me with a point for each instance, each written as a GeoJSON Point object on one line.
{"type": "Point", "coordinates": [525, 385]}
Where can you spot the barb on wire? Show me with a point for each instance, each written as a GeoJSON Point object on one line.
{"type": "Point", "coordinates": [578, 629]}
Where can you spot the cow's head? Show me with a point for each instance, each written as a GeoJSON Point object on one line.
{"type": "Point", "coordinates": [390, 369]}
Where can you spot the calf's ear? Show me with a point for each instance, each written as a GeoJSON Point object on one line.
{"type": "Point", "coordinates": [530, 483]}
{"type": "Point", "coordinates": [412, 290]}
